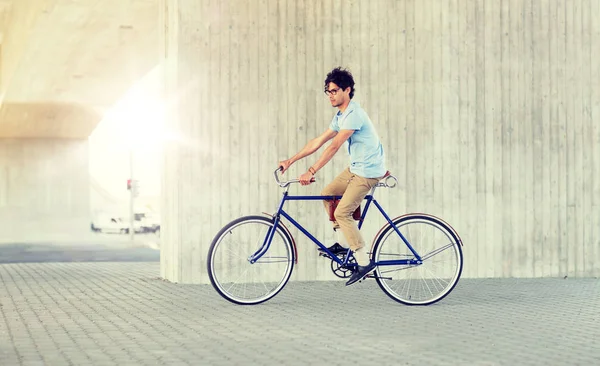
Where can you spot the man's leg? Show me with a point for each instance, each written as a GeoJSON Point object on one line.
{"type": "Point", "coordinates": [354, 195]}
{"type": "Point", "coordinates": [337, 188]}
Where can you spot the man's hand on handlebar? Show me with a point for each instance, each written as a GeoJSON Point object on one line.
{"type": "Point", "coordinates": [306, 178]}
{"type": "Point", "coordinates": [284, 165]}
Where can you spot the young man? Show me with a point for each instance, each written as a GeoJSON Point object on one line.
{"type": "Point", "coordinates": [352, 124]}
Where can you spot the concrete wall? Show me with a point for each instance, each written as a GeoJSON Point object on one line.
{"type": "Point", "coordinates": [44, 190]}
{"type": "Point", "coordinates": [488, 111]}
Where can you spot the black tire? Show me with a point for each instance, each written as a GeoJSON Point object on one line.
{"type": "Point", "coordinates": [448, 246]}
{"type": "Point", "coordinates": [239, 237]}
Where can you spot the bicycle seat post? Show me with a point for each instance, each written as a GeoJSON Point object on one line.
{"type": "Point", "coordinates": [373, 191]}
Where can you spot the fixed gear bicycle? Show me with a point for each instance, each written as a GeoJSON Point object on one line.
{"type": "Point", "coordinates": [418, 256]}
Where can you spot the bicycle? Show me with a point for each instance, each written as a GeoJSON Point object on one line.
{"type": "Point", "coordinates": [265, 252]}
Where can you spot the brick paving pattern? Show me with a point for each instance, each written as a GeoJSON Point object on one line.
{"type": "Point", "coordinates": [123, 314]}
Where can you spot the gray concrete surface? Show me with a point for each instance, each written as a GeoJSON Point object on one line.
{"type": "Point", "coordinates": [123, 314]}
{"type": "Point", "coordinates": [94, 247]}
{"type": "Point", "coordinates": [47, 253]}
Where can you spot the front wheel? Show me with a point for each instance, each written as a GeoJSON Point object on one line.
{"type": "Point", "coordinates": [440, 251]}
{"type": "Point", "coordinates": [229, 267]}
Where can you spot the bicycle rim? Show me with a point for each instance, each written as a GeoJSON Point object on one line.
{"type": "Point", "coordinates": [428, 282]}
{"type": "Point", "coordinates": [230, 270]}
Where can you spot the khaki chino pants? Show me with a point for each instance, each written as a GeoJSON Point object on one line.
{"type": "Point", "coordinates": [353, 189]}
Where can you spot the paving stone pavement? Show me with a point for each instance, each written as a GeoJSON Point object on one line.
{"type": "Point", "coordinates": [123, 314]}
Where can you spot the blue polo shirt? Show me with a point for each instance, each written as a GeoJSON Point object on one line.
{"type": "Point", "coordinates": [367, 158]}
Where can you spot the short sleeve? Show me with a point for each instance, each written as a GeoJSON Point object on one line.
{"type": "Point", "coordinates": [334, 124]}
{"type": "Point", "coordinates": [352, 121]}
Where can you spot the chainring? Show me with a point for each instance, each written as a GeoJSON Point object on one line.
{"type": "Point", "coordinates": [342, 271]}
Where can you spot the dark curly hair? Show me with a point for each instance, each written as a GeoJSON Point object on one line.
{"type": "Point", "coordinates": [342, 78]}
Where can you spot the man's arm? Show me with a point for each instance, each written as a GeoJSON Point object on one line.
{"type": "Point", "coordinates": [337, 142]}
{"type": "Point", "coordinates": [312, 146]}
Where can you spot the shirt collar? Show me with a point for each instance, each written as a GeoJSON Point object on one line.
{"type": "Point", "coordinates": [349, 109]}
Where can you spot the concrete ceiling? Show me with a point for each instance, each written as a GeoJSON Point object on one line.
{"type": "Point", "coordinates": [64, 62]}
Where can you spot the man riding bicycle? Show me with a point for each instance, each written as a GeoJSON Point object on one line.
{"type": "Point", "coordinates": [367, 166]}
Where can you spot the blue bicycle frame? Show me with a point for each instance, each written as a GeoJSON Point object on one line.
{"type": "Point", "coordinates": [280, 212]}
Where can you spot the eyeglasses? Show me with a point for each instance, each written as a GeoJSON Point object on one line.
{"type": "Point", "coordinates": [332, 91]}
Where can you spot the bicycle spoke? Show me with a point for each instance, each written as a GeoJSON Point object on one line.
{"type": "Point", "coordinates": [399, 269]}
{"type": "Point", "coordinates": [431, 254]}
{"type": "Point", "coordinates": [234, 281]}
{"type": "Point", "coordinates": [425, 283]}
{"type": "Point", "coordinates": [437, 278]}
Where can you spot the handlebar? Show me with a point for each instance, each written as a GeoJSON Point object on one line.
{"type": "Point", "coordinates": [288, 182]}
{"type": "Point", "coordinates": [383, 183]}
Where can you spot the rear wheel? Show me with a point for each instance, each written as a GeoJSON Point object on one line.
{"type": "Point", "coordinates": [441, 254]}
{"type": "Point", "coordinates": [230, 270]}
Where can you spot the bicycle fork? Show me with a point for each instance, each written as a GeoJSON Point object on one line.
{"type": "Point", "coordinates": [267, 242]}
